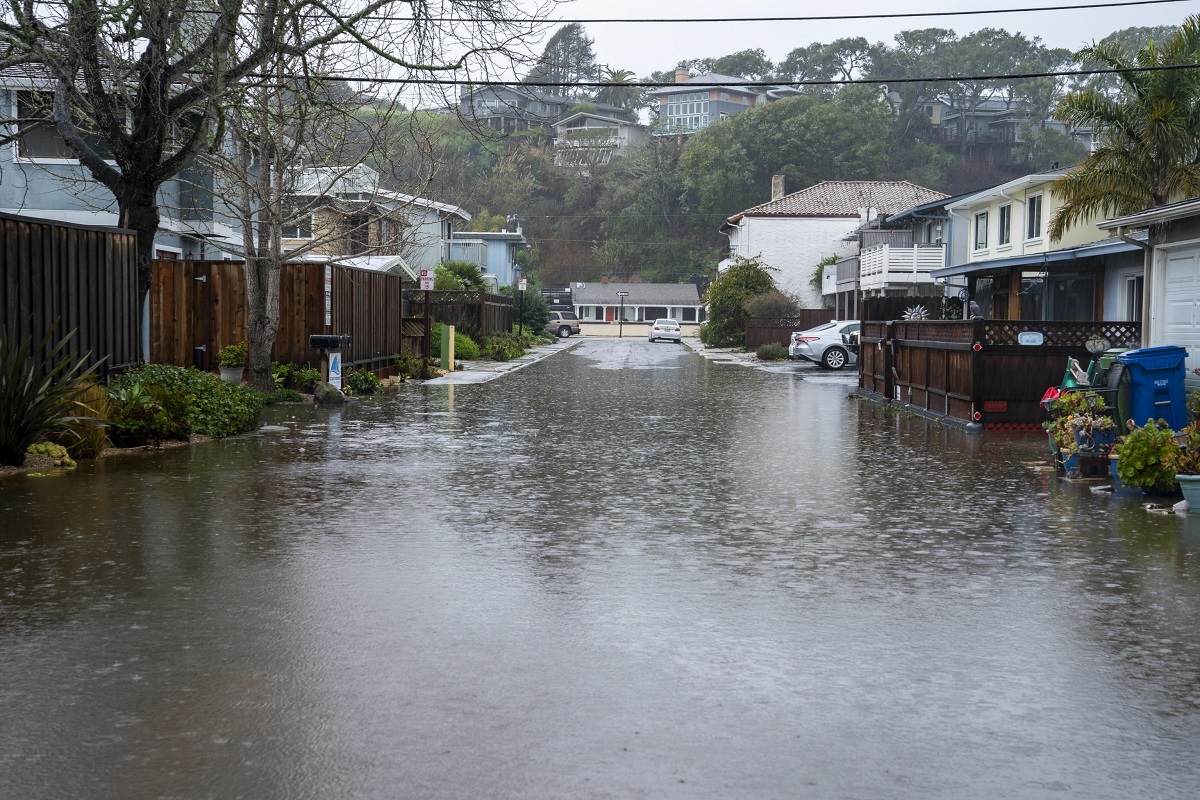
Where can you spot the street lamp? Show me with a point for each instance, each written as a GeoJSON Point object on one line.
{"type": "Point", "coordinates": [621, 319]}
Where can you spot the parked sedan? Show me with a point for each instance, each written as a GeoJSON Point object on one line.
{"type": "Point", "coordinates": [666, 329]}
{"type": "Point", "coordinates": [825, 345]}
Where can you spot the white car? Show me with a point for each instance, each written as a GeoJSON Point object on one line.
{"type": "Point", "coordinates": [666, 329]}
{"type": "Point", "coordinates": [824, 344]}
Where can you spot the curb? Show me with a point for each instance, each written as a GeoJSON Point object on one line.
{"type": "Point", "coordinates": [484, 371]}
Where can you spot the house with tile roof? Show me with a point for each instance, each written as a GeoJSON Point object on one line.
{"type": "Point", "coordinates": [642, 302]}
{"type": "Point", "coordinates": [695, 102]}
{"type": "Point", "coordinates": [792, 233]}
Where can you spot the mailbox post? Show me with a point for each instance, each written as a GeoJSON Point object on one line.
{"type": "Point", "coordinates": [331, 346]}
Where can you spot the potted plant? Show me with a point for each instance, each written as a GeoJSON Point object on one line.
{"type": "Point", "coordinates": [1187, 464]}
{"type": "Point", "coordinates": [1147, 458]}
{"type": "Point", "coordinates": [232, 361]}
{"type": "Point", "coordinates": [1079, 425]}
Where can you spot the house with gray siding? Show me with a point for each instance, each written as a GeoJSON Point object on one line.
{"type": "Point", "coordinates": [695, 102]}
{"type": "Point", "coordinates": [642, 302]}
{"type": "Point", "coordinates": [41, 177]}
{"type": "Point", "coordinates": [494, 251]}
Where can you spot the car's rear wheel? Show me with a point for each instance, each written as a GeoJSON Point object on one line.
{"type": "Point", "coordinates": [564, 332]}
{"type": "Point", "coordinates": [834, 358]}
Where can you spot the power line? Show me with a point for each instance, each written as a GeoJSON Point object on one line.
{"type": "Point", "coordinates": [820, 18]}
{"type": "Point", "coordinates": [1009, 76]}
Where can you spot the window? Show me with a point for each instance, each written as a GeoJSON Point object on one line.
{"type": "Point", "coordinates": [1004, 225]}
{"type": "Point", "coordinates": [981, 225]}
{"type": "Point", "coordinates": [301, 228]}
{"type": "Point", "coordinates": [44, 141]}
{"type": "Point", "coordinates": [1033, 217]}
{"type": "Point", "coordinates": [1133, 298]}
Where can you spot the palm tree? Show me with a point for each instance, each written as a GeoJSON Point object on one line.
{"type": "Point", "coordinates": [1149, 133]}
{"type": "Point", "coordinates": [617, 91]}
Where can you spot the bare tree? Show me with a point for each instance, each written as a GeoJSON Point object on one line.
{"type": "Point", "coordinates": [140, 88]}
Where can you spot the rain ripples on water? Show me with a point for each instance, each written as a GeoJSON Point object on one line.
{"type": "Point", "coordinates": [624, 571]}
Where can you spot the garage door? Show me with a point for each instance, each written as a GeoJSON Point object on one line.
{"type": "Point", "coordinates": [1181, 308]}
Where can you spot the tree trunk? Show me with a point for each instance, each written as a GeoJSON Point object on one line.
{"type": "Point", "coordinates": [139, 213]}
{"type": "Point", "coordinates": [262, 312]}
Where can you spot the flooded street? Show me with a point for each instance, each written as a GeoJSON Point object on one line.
{"type": "Point", "coordinates": [624, 571]}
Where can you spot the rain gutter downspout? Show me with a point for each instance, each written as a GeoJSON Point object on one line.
{"type": "Point", "coordinates": [1147, 272]}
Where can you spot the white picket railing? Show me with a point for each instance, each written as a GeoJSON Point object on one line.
{"type": "Point", "coordinates": [888, 266]}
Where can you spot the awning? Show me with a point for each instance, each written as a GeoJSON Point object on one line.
{"type": "Point", "coordinates": [1105, 248]}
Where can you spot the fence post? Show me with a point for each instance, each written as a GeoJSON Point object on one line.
{"type": "Point", "coordinates": [888, 344]}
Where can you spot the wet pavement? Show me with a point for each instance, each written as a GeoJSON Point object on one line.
{"type": "Point", "coordinates": [624, 570]}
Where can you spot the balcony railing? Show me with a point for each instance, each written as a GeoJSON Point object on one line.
{"type": "Point", "coordinates": [885, 265]}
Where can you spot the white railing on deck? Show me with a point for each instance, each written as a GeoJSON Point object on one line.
{"type": "Point", "coordinates": [887, 266]}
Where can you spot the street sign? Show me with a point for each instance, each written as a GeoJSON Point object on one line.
{"type": "Point", "coordinates": [426, 276]}
{"type": "Point", "coordinates": [622, 294]}
{"type": "Point", "coordinates": [522, 284]}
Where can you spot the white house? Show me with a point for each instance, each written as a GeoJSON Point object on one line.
{"type": "Point", "coordinates": [604, 302]}
{"type": "Point", "coordinates": [793, 232]}
{"type": "Point", "coordinates": [587, 140]}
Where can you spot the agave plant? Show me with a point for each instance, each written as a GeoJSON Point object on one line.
{"type": "Point", "coordinates": [38, 389]}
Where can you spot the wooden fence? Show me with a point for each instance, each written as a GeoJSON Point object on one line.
{"type": "Point", "coordinates": [478, 312]}
{"type": "Point", "coordinates": [198, 307]}
{"type": "Point", "coordinates": [978, 370]}
{"type": "Point", "coordinates": [84, 277]}
{"type": "Point", "coordinates": [764, 330]}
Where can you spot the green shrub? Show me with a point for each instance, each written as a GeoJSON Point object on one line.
{"type": "Point", "coordinates": [362, 381]}
{"type": "Point", "coordinates": [233, 355]}
{"type": "Point", "coordinates": [771, 351]}
{"type": "Point", "coordinates": [294, 376]}
{"type": "Point", "coordinates": [138, 419]}
{"type": "Point", "coordinates": [506, 346]}
{"type": "Point", "coordinates": [465, 348]}
{"type": "Point", "coordinates": [211, 407]}
{"type": "Point", "coordinates": [38, 386]}
{"type": "Point", "coordinates": [283, 396]}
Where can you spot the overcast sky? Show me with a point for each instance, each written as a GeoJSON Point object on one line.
{"type": "Point", "coordinates": [644, 47]}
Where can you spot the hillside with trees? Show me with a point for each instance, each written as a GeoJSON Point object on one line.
{"type": "Point", "coordinates": [656, 213]}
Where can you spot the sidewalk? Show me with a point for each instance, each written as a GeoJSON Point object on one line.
{"type": "Point", "coordinates": [484, 371]}
{"type": "Point", "coordinates": [722, 355]}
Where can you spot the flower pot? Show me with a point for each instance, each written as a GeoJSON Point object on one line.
{"type": "Point", "coordinates": [232, 374]}
{"type": "Point", "coordinates": [1070, 464]}
{"type": "Point", "coordinates": [1116, 479]}
{"type": "Point", "coordinates": [1191, 490]}
{"type": "Point", "coordinates": [1095, 441]}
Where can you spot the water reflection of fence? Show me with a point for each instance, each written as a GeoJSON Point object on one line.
{"type": "Point", "coordinates": [977, 370]}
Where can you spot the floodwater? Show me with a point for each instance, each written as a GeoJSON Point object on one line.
{"type": "Point", "coordinates": [621, 572]}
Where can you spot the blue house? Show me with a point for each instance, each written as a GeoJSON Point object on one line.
{"type": "Point", "coordinates": [495, 252]}
{"type": "Point", "coordinates": [41, 177]}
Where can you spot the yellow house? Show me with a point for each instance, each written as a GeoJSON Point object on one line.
{"type": "Point", "coordinates": [1014, 271]}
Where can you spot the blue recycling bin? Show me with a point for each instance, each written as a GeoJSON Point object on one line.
{"type": "Point", "coordinates": [1156, 384]}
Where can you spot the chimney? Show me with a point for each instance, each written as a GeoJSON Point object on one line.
{"type": "Point", "coordinates": [777, 190]}
{"type": "Point", "coordinates": [682, 74]}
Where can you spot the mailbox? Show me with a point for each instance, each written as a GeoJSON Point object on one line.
{"type": "Point", "coordinates": [329, 341]}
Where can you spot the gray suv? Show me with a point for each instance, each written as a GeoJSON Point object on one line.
{"type": "Point", "coordinates": [563, 323]}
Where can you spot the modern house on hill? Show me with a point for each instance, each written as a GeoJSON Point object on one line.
{"type": "Point", "coordinates": [694, 103]}
{"type": "Point", "coordinates": [513, 108]}
{"type": "Point", "coordinates": [792, 233]}
{"type": "Point", "coordinates": [586, 140]}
